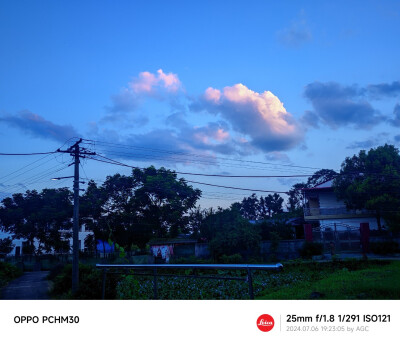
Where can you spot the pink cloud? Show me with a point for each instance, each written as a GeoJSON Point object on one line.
{"type": "Point", "coordinates": [260, 116]}
{"type": "Point", "coordinates": [144, 83]}
{"type": "Point", "coordinates": [212, 95]}
{"type": "Point", "coordinates": [147, 82]}
{"type": "Point", "coordinates": [170, 80]}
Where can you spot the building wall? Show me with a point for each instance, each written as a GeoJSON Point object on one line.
{"type": "Point", "coordinates": [327, 199]}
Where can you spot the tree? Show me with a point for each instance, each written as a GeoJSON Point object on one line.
{"type": "Point", "coordinates": [320, 177]}
{"type": "Point", "coordinates": [295, 201]}
{"type": "Point", "coordinates": [39, 216]}
{"type": "Point", "coordinates": [230, 234]}
{"type": "Point", "coordinates": [249, 207]}
{"type": "Point", "coordinates": [130, 210]}
{"type": "Point", "coordinates": [371, 181]}
{"type": "Point", "coordinates": [6, 246]}
{"type": "Point", "coordinates": [162, 200]}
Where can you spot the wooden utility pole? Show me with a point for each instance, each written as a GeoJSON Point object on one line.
{"type": "Point", "coordinates": [76, 152]}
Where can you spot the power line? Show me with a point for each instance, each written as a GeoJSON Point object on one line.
{"type": "Point", "coordinates": [102, 143]}
{"type": "Point", "coordinates": [235, 188]}
{"type": "Point", "coordinates": [27, 154]}
{"type": "Point", "coordinates": [215, 175]}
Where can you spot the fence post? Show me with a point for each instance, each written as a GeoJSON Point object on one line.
{"type": "Point", "coordinates": [103, 287]}
{"type": "Point", "coordinates": [250, 282]}
{"type": "Point", "coordinates": [155, 283]}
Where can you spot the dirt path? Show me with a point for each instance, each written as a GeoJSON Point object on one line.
{"type": "Point", "coordinates": [30, 286]}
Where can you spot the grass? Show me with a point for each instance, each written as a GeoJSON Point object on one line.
{"type": "Point", "coordinates": [376, 282]}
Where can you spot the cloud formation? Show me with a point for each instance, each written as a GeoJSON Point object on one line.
{"type": "Point", "coordinates": [37, 126]}
{"type": "Point", "coordinates": [335, 105]}
{"type": "Point", "coordinates": [396, 121]}
{"type": "Point", "coordinates": [384, 89]}
{"type": "Point", "coordinates": [147, 84]}
{"type": "Point", "coordinates": [260, 118]}
{"type": "Point", "coordinates": [296, 35]}
{"type": "Point", "coordinates": [376, 140]}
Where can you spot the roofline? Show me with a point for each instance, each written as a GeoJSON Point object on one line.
{"type": "Point", "coordinates": [319, 188]}
{"type": "Point", "coordinates": [316, 188]}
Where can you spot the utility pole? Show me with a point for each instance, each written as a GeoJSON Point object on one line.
{"type": "Point", "coordinates": [76, 152]}
{"type": "Point", "coordinates": [75, 231]}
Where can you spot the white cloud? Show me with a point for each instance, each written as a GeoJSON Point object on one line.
{"type": "Point", "coordinates": [260, 116]}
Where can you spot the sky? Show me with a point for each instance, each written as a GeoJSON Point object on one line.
{"type": "Point", "coordinates": [239, 88]}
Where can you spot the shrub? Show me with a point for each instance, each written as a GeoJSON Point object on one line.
{"type": "Point", "coordinates": [310, 249]}
{"type": "Point", "coordinates": [384, 247]}
{"type": "Point", "coordinates": [55, 271]}
{"type": "Point", "coordinates": [8, 272]}
{"type": "Point", "coordinates": [90, 283]}
{"type": "Point", "coordinates": [233, 259]}
{"type": "Point", "coordinates": [130, 288]}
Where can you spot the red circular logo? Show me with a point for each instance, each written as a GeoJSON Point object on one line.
{"type": "Point", "coordinates": [265, 323]}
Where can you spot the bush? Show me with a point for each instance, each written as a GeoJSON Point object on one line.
{"type": "Point", "coordinates": [233, 259]}
{"type": "Point", "coordinates": [55, 271]}
{"type": "Point", "coordinates": [310, 249]}
{"type": "Point", "coordinates": [190, 260]}
{"type": "Point", "coordinates": [90, 283]}
{"type": "Point", "coordinates": [384, 247]}
{"type": "Point", "coordinates": [130, 288]}
{"type": "Point", "coordinates": [8, 272]}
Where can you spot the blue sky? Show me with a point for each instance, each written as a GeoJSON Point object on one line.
{"type": "Point", "coordinates": [288, 83]}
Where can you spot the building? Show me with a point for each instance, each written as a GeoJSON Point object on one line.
{"type": "Point", "coordinates": [19, 243]}
{"type": "Point", "coordinates": [323, 209]}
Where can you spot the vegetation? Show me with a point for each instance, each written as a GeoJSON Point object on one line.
{"type": "Point", "coordinates": [8, 272]}
{"type": "Point", "coordinates": [377, 281]}
{"type": "Point", "coordinates": [6, 246]}
{"type": "Point", "coordinates": [130, 210]}
{"type": "Point", "coordinates": [39, 216]}
{"type": "Point", "coordinates": [230, 234]}
{"type": "Point", "coordinates": [90, 283]}
{"type": "Point", "coordinates": [371, 181]}
{"type": "Point", "coordinates": [300, 280]}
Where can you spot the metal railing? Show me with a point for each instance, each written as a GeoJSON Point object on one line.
{"type": "Point", "coordinates": [152, 271]}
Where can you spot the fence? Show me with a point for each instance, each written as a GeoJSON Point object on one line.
{"type": "Point", "coordinates": [152, 271]}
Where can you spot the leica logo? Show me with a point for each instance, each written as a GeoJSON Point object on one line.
{"type": "Point", "coordinates": [265, 323]}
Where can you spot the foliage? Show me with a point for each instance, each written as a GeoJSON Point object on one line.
{"type": "Point", "coordinates": [130, 288]}
{"type": "Point", "coordinates": [90, 283]}
{"type": "Point", "coordinates": [384, 247]}
{"type": "Point", "coordinates": [253, 208]}
{"type": "Point", "coordinates": [39, 216]}
{"type": "Point", "coordinates": [371, 181]}
{"type": "Point", "coordinates": [295, 200]}
{"type": "Point", "coordinates": [6, 246]}
{"type": "Point", "coordinates": [133, 209]}
{"type": "Point", "coordinates": [310, 249]}
{"type": "Point", "coordinates": [230, 234]}
{"type": "Point", "coordinates": [8, 272]}
{"type": "Point", "coordinates": [277, 226]}
{"type": "Point", "coordinates": [232, 259]}
{"type": "Point", "coordinates": [299, 278]}
{"type": "Point", "coordinates": [374, 281]}
{"type": "Point", "coordinates": [320, 177]}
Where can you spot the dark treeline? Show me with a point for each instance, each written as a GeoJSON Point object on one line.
{"type": "Point", "coordinates": [154, 203]}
